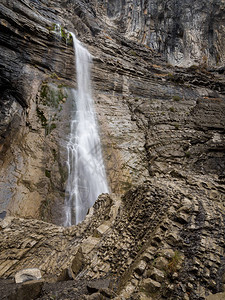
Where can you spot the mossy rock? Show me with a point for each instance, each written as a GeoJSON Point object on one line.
{"type": "Point", "coordinates": [52, 96]}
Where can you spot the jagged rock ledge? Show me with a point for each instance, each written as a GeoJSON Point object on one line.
{"type": "Point", "coordinates": [161, 239]}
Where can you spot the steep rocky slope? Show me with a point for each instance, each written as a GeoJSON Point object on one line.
{"type": "Point", "coordinates": [162, 129]}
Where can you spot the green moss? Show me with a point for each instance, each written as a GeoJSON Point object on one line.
{"type": "Point", "coordinates": [49, 128]}
{"type": "Point", "coordinates": [62, 33]}
{"type": "Point", "coordinates": [218, 59]}
{"type": "Point", "coordinates": [41, 116]}
{"type": "Point", "coordinates": [173, 263]}
{"type": "Point", "coordinates": [170, 75]}
{"type": "Point", "coordinates": [66, 36]}
{"type": "Point", "coordinates": [61, 85]}
{"type": "Point", "coordinates": [48, 173]}
{"type": "Point", "coordinates": [126, 185]}
{"type": "Point", "coordinates": [133, 53]}
{"type": "Point", "coordinates": [193, 67]}
{"type": "Point", "coordinates": [51, 28]}
{"type": "Point", "coordinates": [54, 76]}
{"type": "Point", "coordinates": [176, 126]}
{"type": "Point", "coordinates": [44, 91]}
{"type": "Point", "coordinates": [176, 98]}
{"type": "Point", "coordinates": [52, 126]}
{"type": "Point", "coordinates": [54, 153]}
{"type": "Point", "coordinates": [187, 154]}
{"type": "Point", "coordinates": [172, 109]}
{"type": "Point", "coordinates": [52, 97]}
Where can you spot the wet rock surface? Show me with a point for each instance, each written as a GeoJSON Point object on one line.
{"type": "Point", "coordinates": [161, 234]}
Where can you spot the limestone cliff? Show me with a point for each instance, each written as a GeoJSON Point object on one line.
{"type": "Point", "coordinates": [158, 79]}
{"type": "Point", "coordinates": [186, 32]}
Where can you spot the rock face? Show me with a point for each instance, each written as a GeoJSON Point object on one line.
{"type": "Point", "coordinates": [164, 240]}
{"type": "Point", "coordinates": [186, 33]}
{"type": "Point", "coordinates": [32, 99]}
{"type": "Point", "coordinates": [142, 103]}
{"type": "Point", "coordinates": [161, 234]}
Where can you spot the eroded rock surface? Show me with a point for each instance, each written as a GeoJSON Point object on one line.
{"type": "Point", "coordinates": [161, 234]}
{"type": "Point", "coordinates": [163, 239]}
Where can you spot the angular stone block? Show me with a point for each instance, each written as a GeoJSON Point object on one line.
{"type": "Point", "coordinates": [157, 275]}
{"type": "Point", "coordinates": [27, 275]}
{"type": "Point", "coordinates": [150, 286]}
{"type": "Point", "coordinates": [141, 267]}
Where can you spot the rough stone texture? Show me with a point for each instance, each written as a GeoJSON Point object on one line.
{"type": "Point", "coordinates": [142, 103]}
{"type": "Point", "coordinates": [186, 32]}
{"type": "Point", "coordinates": [141, 231]}
{"type": "Point", "coordinates": [219, 296]}
{"type": "Point", "coordinates": [27, 275]}
{"type": "Point", "coordinates": [163, 142]}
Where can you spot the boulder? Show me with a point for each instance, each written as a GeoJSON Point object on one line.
{"type": "Point", "coordinates": [101, 230]}
{"type": "Point", "coordinates": [28, 290]}
{"type": "Point", "coordinates": [156, 274]}
{"type": "Point", "coordinates": [161, 263]}
{"type": "Point", "coordinates": [77, 262]}
{"type": "Point", "coordinates": [95, 286]}
{"type": "Point", "coordinates": [27, 275]}
{"type": "Point", "coordinates": [150, 285]}
{"type": "Point", "coordinates": [141, 267]}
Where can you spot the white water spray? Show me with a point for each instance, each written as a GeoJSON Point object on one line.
{"type": "Point", "coordinates": [86, 172]}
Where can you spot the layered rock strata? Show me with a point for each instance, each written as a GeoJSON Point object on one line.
{"type": "Point", "coordinates": [163, 143]}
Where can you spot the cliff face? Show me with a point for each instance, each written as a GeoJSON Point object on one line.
{"type": "Point", "coordinates": [186, 32]}
{"type": "Point", "coordinates": [162, 129]}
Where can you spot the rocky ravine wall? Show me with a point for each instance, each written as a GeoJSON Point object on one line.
{"type": "Point", "coordinates": [163, 142]}
{"type": "Point", "coordinates": [186, 32]}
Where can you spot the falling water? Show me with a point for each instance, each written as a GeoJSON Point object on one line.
{"type": "Point", "coordinates": [87, 177]}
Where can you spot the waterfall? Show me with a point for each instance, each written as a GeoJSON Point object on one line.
{"type": "Point", "coordinates": [86, 171]}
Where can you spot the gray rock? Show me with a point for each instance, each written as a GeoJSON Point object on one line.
{"type": "Point", "coordinates": [27, 275]}
{"type": "Point", "coordinates": [156, 274]}
{"type": "Point", "coordinates": [78, 262]}
{"type": "Point", "coordinates": [28, 290]}
{"type": "Point", "coordinates": [150, 286]}
{"type": "Point", "coordinates": [140, 267]}
{"type": "Point", "coordinates": [161, 263]}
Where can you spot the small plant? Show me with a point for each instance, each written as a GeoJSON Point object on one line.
{"type": "Point", "coordinates": [204, 61]}
{"type": "Point", "coordinates": [54, 153]}
{"type": "Point", "coordinates": [176, 126]}
{"type": "Point", "coordinates": [133, 53]}
{"type": "Point", "coordinates": [194, 67]}
{"type": "Point", "coordinates": [187, 154]}
{"type": "Point", "coordinates": [55, 76]}
{"type": "Point", "coordinates": [217, 58]}
{"type": "Point", "coordinates": [172, 109]}
{"type": "Point", "coordinates": [48, 173]}
{"type": "Point", "coordinates": [174, 263]}
{"type": "Point", "coordinates": [170, 75]}
{"type": "Point", "coordinates": [176, 98]}
{"type": "Point", "coordinates": [41, 116]}
{"type": "Point", "coordinates": [52, 126]}
{"type": "Point", "coordinates": [52, 97]}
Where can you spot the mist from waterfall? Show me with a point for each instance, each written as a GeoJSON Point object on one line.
{"type": "Point", "coordinates": [86, 171]}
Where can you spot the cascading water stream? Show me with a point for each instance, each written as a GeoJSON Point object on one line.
{"type": "Point", "coordinates": [86, 171]}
